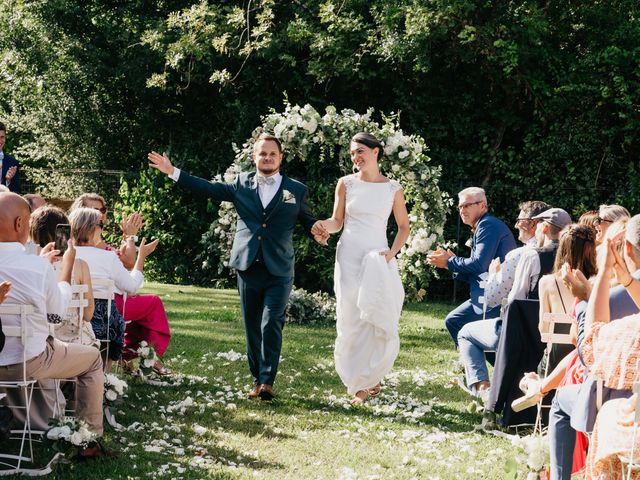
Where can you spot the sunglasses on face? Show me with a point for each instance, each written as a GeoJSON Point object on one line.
{"type": "Point", "coordinates": [102, 210]}
{"type": "Point", "coordinates": [600, 221]}
{"type": "Point", "coordinates": [101, 225]}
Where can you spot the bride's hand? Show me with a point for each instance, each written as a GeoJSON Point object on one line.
{"type": "Point", "coordinates": [388, 255]}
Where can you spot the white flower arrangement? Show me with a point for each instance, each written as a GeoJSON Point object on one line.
{"type": "Point", "coordinates": [312, 138]}
{"type": "Point", "coordinates": [148, 357]}
{"type": "Point", "coordinates": [310, 308]}
{"type": "Point", "coordinates": [532, 452]}
{"type": "Point", "coordinates": [68, 432]}
{"type": "Point", "coordinates": [114, 388]}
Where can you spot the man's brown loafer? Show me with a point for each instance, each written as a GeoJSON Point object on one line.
{"type": "Point", "coordinates": [254, 392]}
{"type": "Point", "coordinates": [266, 392]}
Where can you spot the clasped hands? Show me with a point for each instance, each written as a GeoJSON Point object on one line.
{"type": "Point", "coordinates": [320, 232]}
{"type": "Point", "coordinates": [439, 258]}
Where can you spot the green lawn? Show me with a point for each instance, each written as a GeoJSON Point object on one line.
{"type": "Point", "coordinates": [205, 428]}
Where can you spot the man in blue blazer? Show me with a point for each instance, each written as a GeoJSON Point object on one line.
{"type": "Point", "coordinates": [491, 239]}
{"type": "Point", "coordinates": [10, 167]}
{"type": "Point", "coordinates": [268, 205]}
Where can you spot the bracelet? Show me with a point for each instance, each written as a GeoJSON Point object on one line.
{"type": "Point", "coordinates": [630, 282]}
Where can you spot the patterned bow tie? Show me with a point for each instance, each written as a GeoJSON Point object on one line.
{"type": "Point", "coordinates": [265, 180]}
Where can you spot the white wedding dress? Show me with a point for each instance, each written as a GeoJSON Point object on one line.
{"type": "Point", "coordinates": [369, 292]}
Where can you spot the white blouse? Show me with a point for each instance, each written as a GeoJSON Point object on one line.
{"type": "Point", "coordinates": [105, 264]}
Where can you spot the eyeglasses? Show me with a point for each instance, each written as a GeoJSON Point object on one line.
{"type": "Point", "coordinates": [599, 220]}
{"type": "Point", "coordinates": [102, 210]}
{"type": "Point", "coordinates": [462, 206]}
{"type": "Point", "coordinates": [101, 225]}
{"type": "Point", "coordinates": [523, 220]}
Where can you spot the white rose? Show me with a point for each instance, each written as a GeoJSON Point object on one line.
{"type": "Point", "coordinates": [395, 167]}
{"type": "Point", "coordinates": [148, 362]}
{"type": "Point", "coordinates": [111, 395]}
{"type": "Point", "coordinates": [144, 351]}
{"type": "Point", "coordinates": [54, 433]}
{"type": "Point", "coordinates": [76, 438]}
{"type": "Point", "coordinates": [424, 205]}
{"type": "Point", "coordinates": [65, 432]}
{"type": "Point", "coordinates": [403, 154]}
{"type": "Point", "coordinates": [310, 125]}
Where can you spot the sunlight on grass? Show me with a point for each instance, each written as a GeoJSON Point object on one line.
{"type": "Point", "coordinates": [205, 428]}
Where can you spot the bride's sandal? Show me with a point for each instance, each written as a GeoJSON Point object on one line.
{"type": "Point", "coordinates": [375, 391]}
{"type": "Point", "coordinates": [360, 398]}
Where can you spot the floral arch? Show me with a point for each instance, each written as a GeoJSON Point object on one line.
{"type": "Point", "coordinates": [316, 152]}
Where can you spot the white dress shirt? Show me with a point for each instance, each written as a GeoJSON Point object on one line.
{"type": "Point", "coordinates": [527, 274]}
{"type": "Point", "coordinates": [499, 283]}
{"type": "Point", "coordinates": [105, 264]}
{"type": "Point", "coordinates": [33, 282]}
{"type": "Point", "coordinates": [265, 192]}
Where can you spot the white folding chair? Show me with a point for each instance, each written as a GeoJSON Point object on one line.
{"type": "Point", "coordinates": [25, 384]}
{"type": "Point", "coordinates": [104, 289]}
{"type": "Point", "coordinates": [550, 337]}
{"type": "Point", "coordinates": [76, 310]}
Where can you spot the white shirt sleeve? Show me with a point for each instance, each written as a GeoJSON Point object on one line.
{"type": "Point", "coordinates": [175, 175]}
{"type": "Point", "coordinates": [527, 272]}
{"type": "Point", "coordinates": [125, 280]}
{"type": "Point", "coordinates": [58, 294]}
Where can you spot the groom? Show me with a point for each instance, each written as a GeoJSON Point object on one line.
{"type": "Point", "coordinates": [268, 205]}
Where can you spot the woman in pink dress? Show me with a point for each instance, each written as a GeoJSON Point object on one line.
{"type": "Point", "coordinates": [144, 314]}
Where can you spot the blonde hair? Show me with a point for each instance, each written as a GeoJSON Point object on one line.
{"type": "Point", "coordinates": [613, 212]}
{"type": "Point", "coordinates": [83, 221]}
{"type": "Point", "coordinates": [82, 200]}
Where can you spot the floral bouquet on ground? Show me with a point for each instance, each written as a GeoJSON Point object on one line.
{"type": "Point", "coordinates": [67, 433]}
{"type": "Point", "coordinates": [148, 358]}
{"type": "Point", "coordinates": [531, 451]}
{"type": "Point", "coordinates": [114, 389]}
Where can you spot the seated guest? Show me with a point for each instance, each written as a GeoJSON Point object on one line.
{"type": "Point", "coordinates": [608, 214]}
{"type": "Point", "coordinates": [577, 250]}
{"type": "Point", "coordinates": [477, 337]}
{"type": "Point", "coordinates": [144, 313]}
{"type": "Point", "coordinates": [491, 239]}
{"type": "Point", "coordinates": [589, 218]}
{"type": "Point", "coordinates": [574, 406]}
{"type": "Point", "coordinates": [34, 282]}
{"type": "Point", "coordinates": [42, 231]}
{"type": "Point", "coordinates": [86, 231]}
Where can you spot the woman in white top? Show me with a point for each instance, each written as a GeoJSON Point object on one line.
{"type": "Point", "coordinates": [86, 231]}
{"type": "Point", "coordinates": [42, 230]}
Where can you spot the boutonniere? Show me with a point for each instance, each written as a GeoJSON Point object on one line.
{"type": "Point", "coordinates": [288, 197]}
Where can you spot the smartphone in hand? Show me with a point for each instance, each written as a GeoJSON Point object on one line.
{"type": "Point", "coordinates": [63, 234]}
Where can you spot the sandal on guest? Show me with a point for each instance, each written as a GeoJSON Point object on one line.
{"type": "Point", "coordinates": [375, 391]}
{"type": "Point", "coordinates": [161, 370]}
{"type": "Point", "coordinates": [360, 397]}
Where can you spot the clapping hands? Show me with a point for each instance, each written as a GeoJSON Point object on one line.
{"type": "Point", "coordinates": [131, 224]}
{"type": "Point", "coordinates": [11, 173]}
{"type": "Point", "coordinates": [439, 258]}
{"type": "Point", "coordinates": [320, 232]}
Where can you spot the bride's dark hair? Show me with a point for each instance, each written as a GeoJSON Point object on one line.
{"type": "Point", "coordinates": [370, 141]}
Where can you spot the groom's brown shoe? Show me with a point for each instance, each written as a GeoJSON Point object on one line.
{"type": "Point", "coordinates": [266, 392]}
{"type": "Point", "coordinates": [254, 392]}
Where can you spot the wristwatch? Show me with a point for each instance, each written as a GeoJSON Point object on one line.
{"type": "Point", "coordinates": [133, 237]}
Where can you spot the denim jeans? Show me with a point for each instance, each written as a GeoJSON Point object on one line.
{"type": "Point", "coordinates": [473, 340]}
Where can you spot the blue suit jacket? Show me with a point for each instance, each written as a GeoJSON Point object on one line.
{"type": "Point", "coordinates": [269, 229]}
{"type": "Point", "coordinates": [7, 162]}
{"type": "Point", "coordinates": [491, 239]}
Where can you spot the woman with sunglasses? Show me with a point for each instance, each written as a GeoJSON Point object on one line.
{"type": "Point", "coordinates": [144, 313]}
{"type": "Point", "coordinates": [86, 231]}
{"type": "Point", "coordinates": [608, 214]}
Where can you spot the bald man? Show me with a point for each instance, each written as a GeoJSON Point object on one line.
{"type": "Point", "coordinates": [34, 282]}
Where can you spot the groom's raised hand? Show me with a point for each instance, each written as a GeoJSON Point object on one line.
{"type": "Point", "coordinates": [160, 162]}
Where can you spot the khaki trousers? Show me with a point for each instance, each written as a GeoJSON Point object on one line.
{"type": "Point", "coordinates": [68, 360]}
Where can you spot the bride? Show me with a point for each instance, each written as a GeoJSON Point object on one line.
{"type": "Point", "coordinates": [369, 293]}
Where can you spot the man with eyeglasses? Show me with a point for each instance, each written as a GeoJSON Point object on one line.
{"type": "Point", "coordinates": [491, 239]}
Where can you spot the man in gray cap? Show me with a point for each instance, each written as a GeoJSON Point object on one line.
{"type": "Point", "coordinates": [539, 261]}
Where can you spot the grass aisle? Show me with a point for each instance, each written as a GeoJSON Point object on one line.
{"type": "Point", "coordinates": [417, 428]}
